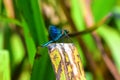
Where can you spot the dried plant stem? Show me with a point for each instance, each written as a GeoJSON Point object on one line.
{"type": "Point", "coordinates": [66, 61]}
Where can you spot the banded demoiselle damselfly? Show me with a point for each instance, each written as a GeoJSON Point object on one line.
{"type": "Point", "coordinates": [55, 34]}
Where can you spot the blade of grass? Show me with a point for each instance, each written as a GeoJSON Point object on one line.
{"type": "Point", "coordinates": [4, 65]}
{"type": "Point", "coordinates": [0, 6]}
{"type": "Point", "coordinates": [17, 49]}
{"type": "Point", "coordinates": [24, 7]}
{"type": "Point", "coordinates": [10, 20]}
{"type": "Point", "coordinates": [1, 36]}
{"type": "Point", "coordinates": [37, 16]}
{"type": "Point", "coordinates": [77, 14]}
{"type": "Point", "coordinates": [42, 70]}
{"type": "Point", "coordinates": [117, 19]}
{"type": "Point", "coordinates": [101, 8]}
{"type": "Point", "coordinates": [89, 76]}
{"type": "Point", "coordinates": [112, 39]}
{"type": "Point", "coordinates": [29, 42]}
{"type": "Point", "coordinates": [33, 17]}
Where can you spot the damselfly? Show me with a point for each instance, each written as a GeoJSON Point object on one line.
{"type": "Point", "coordinates": [55, 34]}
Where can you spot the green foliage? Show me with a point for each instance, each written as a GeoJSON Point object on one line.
{"type": "Point", "coordinates": [101, 8]}
{"type": "Point", "coordinates": [4, 65]}
{"type": "Point", "coordinates": [21, 36]}
{"type": "Point", "coordinates": [77, 14]}
{"type": "Point", "coordinates": [112, 38]}
{"type": "Point", "coordinates": [29, 42]}
{"type": "Point", "coordinates": [17, 49]}
{"type": "Point", "coordinates": [117, 20]}
{"type": "Point", "coordinates": [1, 37]}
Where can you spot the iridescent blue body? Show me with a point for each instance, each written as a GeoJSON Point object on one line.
{"type": "Point", "coordinates": [55, 34]}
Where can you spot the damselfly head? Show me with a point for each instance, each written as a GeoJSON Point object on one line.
{"type": "Point", "coordinates": [54, 32]}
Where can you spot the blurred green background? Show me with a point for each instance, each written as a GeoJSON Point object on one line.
{"type": "Point", "coordinates": [24, 27]}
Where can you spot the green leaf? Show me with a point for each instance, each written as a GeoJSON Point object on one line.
{"type": "Point", "coordinates": [29, 42]}
{"type": "Point", "coordinates": [101, 8]}
{"type": "Point", "coordinates": [0, 6]}
{"type": "Point", "coordinates": [32, 15]}
{"type": "Point", "coordinates": [17, 49]}
{"type": "Point", "coordinates": [1, 36]}
{"type": "Point", "coordinates": [42, 68]}
{"type": "Point", "coordinates": [112, 39]}
{"type": "Point", "coordinates": [37, 16]}
{"type": "Point", "coordinates": [117, 19]}
{"type": "Point", "coordinates": [10, 20]}
{"type": "Point", "coordinates": [89, 76]}
{"type": "Point", "coordinates": [77, 16]}
{"type": "Point", "coordinates": [4, 65]}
